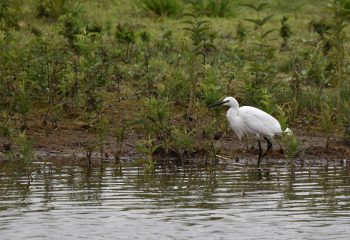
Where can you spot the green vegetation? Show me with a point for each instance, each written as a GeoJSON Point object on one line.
{"type": "Point", "coordinates": [151, 67]}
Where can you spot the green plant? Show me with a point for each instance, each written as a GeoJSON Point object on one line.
{"type": "Point", "coordinates": [295, 86]}
{"type": "Point", "coordinates": [154, 117]}
{"type": "Point", "coordinates": [326, 119]}
{"type": "Point", "coordinates": [22, 102]}
{"type": "Point", "coordinates": [257, 86]}
{"type": "Point", "coordinates": [52, 9]}
{"type": "Point", "coordinates": [199, 33]}
{"type": "Point", "coordinates": [210, 88]}
{"type": "Point", "coordinates": [25, 151]}
{"type": "Point", "coordinates": [177, 90]}
{"type": "Point", "coordinates": [10, 13]}
{"type": "Point", "coordinates": [291, 145]}
{"type": "Point", "coordinates": [148, 148]}
{"type": "Point", "coordinates": [256, 95]}
{"type": "Point", "coordinates": [241, 33]}
{"type": "Point", "coordinates": [282, 117]}
{"type": "Point", "coordinates": [263, 47]}
{"type": "Point", "coordinates": [71, 23]}
{"type": "Point", "coordinates": [337, 37]}
{"type": "Point", "coordinates": [218, 8]}
{"type": "Point", "coordinates": [120, 133]}
{"type": "Point", "coordinates": [182, 142]}
{"type": "Point", "coordinates": [285, 33]}
{"type": "Point", "coordinates": [102, 127]}
{"type": "Point", "coordinates": [125, 34]}
{"type": "Point", "coordinates": [7, 131]}
{"type": "Point", "coordinates": [161, 7]}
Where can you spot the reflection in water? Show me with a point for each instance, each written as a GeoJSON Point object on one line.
{"type": "Point", "coordinates": [72, 201]}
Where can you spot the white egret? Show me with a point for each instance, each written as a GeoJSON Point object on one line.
{"type": "Point", "coordinates": [251, 121]}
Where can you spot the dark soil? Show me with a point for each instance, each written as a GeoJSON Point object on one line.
{"type": "Point", "coordinates": [71, 141]}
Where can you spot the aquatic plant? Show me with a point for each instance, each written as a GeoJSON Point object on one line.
{"type": "Point", "coordinates": [25, 149]}
{"type": "Point", "coordinates": [291, 144]}
{"type": "Point", "coordinates": [102, 127]}
{"type": "Point", "coordinates": [148, 148]}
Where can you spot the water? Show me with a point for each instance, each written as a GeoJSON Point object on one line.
{"type": "Point", "coordinates": [224, 202]}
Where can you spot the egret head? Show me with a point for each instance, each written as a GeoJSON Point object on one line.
{"type": "Point", "coordinates": [227, 101]}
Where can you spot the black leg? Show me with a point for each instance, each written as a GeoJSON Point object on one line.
{"type": "Point", "coordinates": [260, 153]}
{"type": "Point", "coordinates": [269, 146]}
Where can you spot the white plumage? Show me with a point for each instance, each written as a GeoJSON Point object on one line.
{"type": "Point", "coordinates": [251, 121]}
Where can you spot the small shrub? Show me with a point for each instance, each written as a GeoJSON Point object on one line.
{"type": "Point", "coordinates": [210, 88]}
{"type": "Point", "coordinates": [285, 33]}
{"type": "Point", "coordinates": [292, 145]}
{"type": "Point", "coordinates": [182, 142]}
{"type": "Point", "coordinates": [147, 148]}
{"type": "Point", "coordinates": [10, 13]}
{"type": "Point", "coordinates": [161, 7]}
{"type": "Point", "coordinates": [218, 8]}
{"type": "Point", "coordinates": [327, 118]}
{"type": "Point", "coordinates": [25, 151]}
{"type": "Point", "coordinates": [72, 23]}
{"type": "Point", "coordinates": [52, 9]}
{"type": "Point", "coordinates": [154, 117]}
{"type": "Point", "coordinates": [102, 131]}
{"type": "Point", "coordinates": [125, 34]}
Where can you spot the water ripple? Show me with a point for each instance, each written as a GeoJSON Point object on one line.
{"type": "Point", "coordinates": [72, 201]}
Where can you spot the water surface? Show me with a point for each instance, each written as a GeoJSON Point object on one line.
{"type": "Point", "coordinates": [223, 202]}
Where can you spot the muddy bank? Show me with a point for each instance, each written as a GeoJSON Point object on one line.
{"type": "Point", "coordinates": [71, 141]}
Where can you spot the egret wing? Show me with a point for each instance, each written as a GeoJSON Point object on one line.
{"type": "Point", "coordinates": [258, 122]}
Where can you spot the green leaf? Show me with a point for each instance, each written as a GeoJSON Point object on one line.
{"type": "Point", "coordinates": [265, 34]}
{"type": "Point", "coordinates": [251, 6]}
{"type": "Point", "coordinates": [255, 21]}
{"type": "Point", "coordinates": [265, 20]}
{"type": "Point", "coordinates": [261, 6]}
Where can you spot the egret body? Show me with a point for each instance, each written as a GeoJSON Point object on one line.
{"type": "Point", "coordinates": [250, 121]}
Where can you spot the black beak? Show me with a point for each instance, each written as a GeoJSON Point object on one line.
{"type": "Point", "coordinates": [217, 104]}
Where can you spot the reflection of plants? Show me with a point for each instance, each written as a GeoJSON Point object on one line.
{"type": "Point", "coordinates": [26, 153]}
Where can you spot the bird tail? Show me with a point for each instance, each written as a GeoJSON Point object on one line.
{"type": "Point", "coordinates": [288, 131]}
